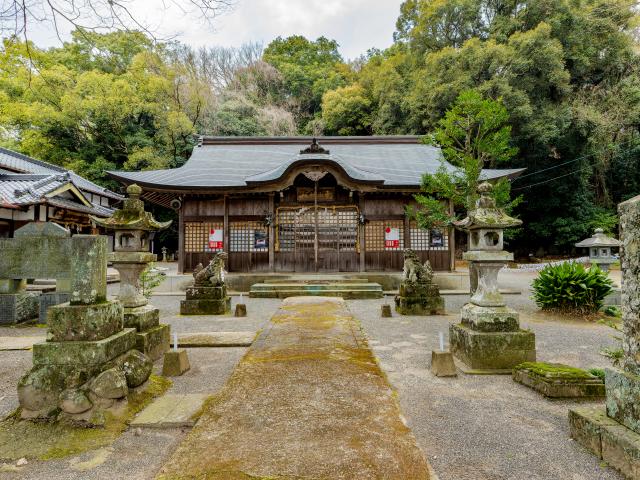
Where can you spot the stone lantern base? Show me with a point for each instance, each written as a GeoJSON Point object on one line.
{"type": "Point", "coordinates": [419, 299]}
{"type": "Point", "coordinates": [206, 301]}
{"type": "Point", "coordinates": [489, 339]}
{"type": "Point", "coordinates": [152, 337]}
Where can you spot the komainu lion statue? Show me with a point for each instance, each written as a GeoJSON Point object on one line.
{"type": "Point", "coordinates": [213, 274]}
{"type": "Point", "coordinates": [414, 271]}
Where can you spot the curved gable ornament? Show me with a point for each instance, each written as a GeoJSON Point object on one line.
{"type": "Point", "coordinates": [314, 149]}
{"type": "Point", "coordinates": [314, 175]}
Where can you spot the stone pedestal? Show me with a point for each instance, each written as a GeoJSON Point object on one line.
{"type": "Point", "coordinates": [615, 437]}
{"type": "Point", "coordinates": [489, 339]}
{"type": "Point", "coordinates": [442, 364]}
{"type": "Point", "coordinates": [152, 337]}
{"type": "Point", "coordinates": [241, 310]}
{"type": "Point", "coordinates": [419, 299]}
{"type": "Point", "coordinates": [206, 301]}
{"type": "Point", "coordinates": [385, 311]}
{"type": "Point", "coordinates": [176, 362]}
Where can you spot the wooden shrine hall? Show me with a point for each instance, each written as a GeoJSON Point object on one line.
{"type": "Point", "coordinates": [297, 204]}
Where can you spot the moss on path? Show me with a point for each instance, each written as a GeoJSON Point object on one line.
{"type": "Point", "coordinates": [308, 401]}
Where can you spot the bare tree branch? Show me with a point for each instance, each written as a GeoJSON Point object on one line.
{"type": "Point", "coordinates": [17, 17]}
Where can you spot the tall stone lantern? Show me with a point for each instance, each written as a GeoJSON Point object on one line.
{"type": "Point", "coordinates": [134, 229]}
{"type": "Point", "coordinates": [489, 336]}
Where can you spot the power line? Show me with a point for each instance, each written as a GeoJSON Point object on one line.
{"type": "Point", "coordinates": [561, 176]}
{"type": "Point", "coordinates": [569, 161]}
{"type": "Point", "coordinates": [550, 180]}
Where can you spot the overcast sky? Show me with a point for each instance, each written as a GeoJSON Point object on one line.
{"type": "Point", "coordinates": [357, 25]}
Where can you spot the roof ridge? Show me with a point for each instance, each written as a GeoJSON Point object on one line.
{"type": "Point", "coordinates": [42, 163]}
{"type": "Point", "coordinates": [295, 140]}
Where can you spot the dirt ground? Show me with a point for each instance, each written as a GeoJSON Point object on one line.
{"type": "Point", "coordinates": [469, 427]}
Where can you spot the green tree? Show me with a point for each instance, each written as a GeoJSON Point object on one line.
{"type": "Point", "coordinates": [473, 134]}
{"type": "Point", "coordinates": [346, 111]}
{"type": "Point", "coordinates": [309, 68]}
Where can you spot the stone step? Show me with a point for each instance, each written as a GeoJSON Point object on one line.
{"type": "Point", "coordinates": [171, 411]}
{"type": "Point", "coordinates": [336, 292]}
{"type": "Point", "coordinates": [261, 287]}
{"type": "Point", "coordinates": [316, 279]}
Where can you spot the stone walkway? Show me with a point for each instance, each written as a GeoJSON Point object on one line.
{"type": "Point", "coordinates": [307, 401]}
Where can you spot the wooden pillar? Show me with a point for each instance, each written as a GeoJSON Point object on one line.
{"type": "Point", "coordinates": [272, 233]}
{"type": "Point", "coordinates": [315, 221]}
{"type": "Point", "coordinates": [452, 241]}
{"type": "Point", "coordinates": [181, 254]}
{"type": "Point", "coordinates": [225, 226]}
{"type": "Point", "coordinates": [363, 236]}
{"type": "Point", "coordinates": [407, 230]}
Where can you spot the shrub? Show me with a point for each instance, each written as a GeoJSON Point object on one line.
{"type": "Point", "coordinates": [571, 287]}
{"type": "Point", "coordinates": [150, 278]}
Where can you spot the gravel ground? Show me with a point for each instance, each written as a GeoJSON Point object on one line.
{"type": "Point", "coordinates": [470, 427]}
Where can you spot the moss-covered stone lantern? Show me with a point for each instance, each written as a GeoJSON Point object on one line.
{"type": "Point", "coordinates": [489, 336]}
{"type": "Point", "coordinates": [600, 246]}
{"type": "Point", "coordinates": [134, 228]}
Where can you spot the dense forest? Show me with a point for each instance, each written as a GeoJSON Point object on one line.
{"type": "Point", "coordinates": [565, 72]}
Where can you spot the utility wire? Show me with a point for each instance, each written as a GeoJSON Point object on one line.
{"type": "Point", "coordinates": [551, 179]}
{"type": "Point", "coordinates": [570, 161]}
{"type": "Point", "coordinates": [561, 176]}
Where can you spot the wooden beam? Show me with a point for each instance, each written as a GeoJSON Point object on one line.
{"type": "Point", "coordinates": [272, 232]}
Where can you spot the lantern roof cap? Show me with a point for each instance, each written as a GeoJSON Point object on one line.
{"type": "Point", "coordinates": [486, 214]}
{"type": "Point", "coordinates": [132, 215]}
{"type": "Point", "coordinates": [599, 239]}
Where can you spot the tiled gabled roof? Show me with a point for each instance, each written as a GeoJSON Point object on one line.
{"type": "Point", "coordinates": [236, 162]}
{"type": "Point", "coordinates": [15, 162]}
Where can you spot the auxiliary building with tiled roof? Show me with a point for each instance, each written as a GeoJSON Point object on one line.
{"type": "Point", "coordinates": [297, 204]}
{"type": "Point", "coordinates": [33, 190]}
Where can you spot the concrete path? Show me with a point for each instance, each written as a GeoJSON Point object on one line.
{"type": "Point", "coordinates": [307, 401]}
{"type": "Point", "coordinates": [19, 343]}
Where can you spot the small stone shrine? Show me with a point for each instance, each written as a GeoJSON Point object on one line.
{"type": "Point", "coordinates": [134, 229]}
{"type": "Point", "coordinates": [89, 361]}
{"type": "Point", "coordinates": [418, 295]}
{"type": "Point", "coordinates": [614, 436]}
{"type": "Point", "coordinates": [208, 295]}
{"type": "Point", "coordinates": [489, 337]}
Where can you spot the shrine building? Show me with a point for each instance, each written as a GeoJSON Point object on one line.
{"type": "Point", "coordinates": [294, 204]}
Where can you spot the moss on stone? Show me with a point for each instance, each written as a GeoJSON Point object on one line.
{"type": "Point", "coordinates": [554, 370]}
{"type": "Point", "coordinates": [45, 441]}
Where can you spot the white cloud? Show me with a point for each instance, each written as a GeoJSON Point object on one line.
{"type": "Point", "coordinates": [357, 25]}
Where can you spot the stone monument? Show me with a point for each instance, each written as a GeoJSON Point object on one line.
{"type": "Point", "coordinates": [489, 337]}
{"type": "Point", "coordinates": [16, 303]}
{"type": "Point", "coordinates": [88, 362]}
{"type": "Point", "coordinates": [418, 295]}
{"type": "Point", "coordinates": [208, 295]}
{"type": "Point", "coordinates": [614, 435]}
{"type": "Point", "coordinates": [134, 228]}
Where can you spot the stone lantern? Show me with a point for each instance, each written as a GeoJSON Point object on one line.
{"type": "Point", "coordinates": [600, 246]}
{"type": "Point", "coordinates": [489, 336]}
{"type": "Point", "coordinates": [134, 229]}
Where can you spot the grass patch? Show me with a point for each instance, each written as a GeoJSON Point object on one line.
{"type": "Point", "coordinates": [554, 370]}
{"type": "Point", "coordinates": [45, 441]}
